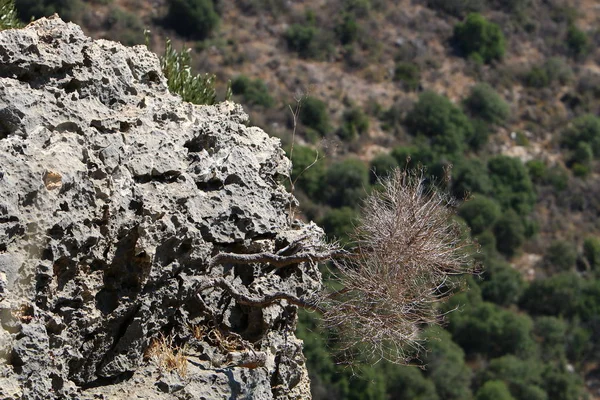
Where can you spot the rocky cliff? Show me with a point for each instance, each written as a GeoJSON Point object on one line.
{"type": "Point", "coordinates": [116, 201]}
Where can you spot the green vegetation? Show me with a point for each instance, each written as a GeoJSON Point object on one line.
{"type": "Point", "coordinates": [69, 10]}
{"type": "Point", "coordinates": [510, 233]}
{"type": "Point", "coordinates": [554, 70]}
{"type": "Point", "coordinates": [338, 222]}
{"type": "Point", "coordinates": [494, 390]}
{"type": "Point", "coordinates": [584, 129]}
{"type": "Point", "coordinates": [309, 41]}
{"type": "Point", "coordinates": [354, 122]}
{"type": "Point", "coordinates": [560, 256]}
{"type": "Point", "coordinates": [479, 39]}
{"type": "Point", "coordinates": [313, 114]}
{"type": "Point", "coordinates": [308, 170]}
{"type": "Point", "coordinates": [382, 165]}
{"type": "Point", "coordinates": [192, 18]}
{"type": "Point", "coordinates": [591, 252]}
{"type": "Point", "coordinates": [503, 284]}
{"type": "Point", "coordinates": [484, 103]}
{"type": "Point", "coordinates": [435, 117]}
{"type": "Point", "coordinates": [511, 185]}
{"type": "Point", "coordinates": [409, 74]}
{"type": "Point", "coordinates": [8, 15]}
{"type": "Point", "coordinates": [347, 29]}
{"type": "Point", "coordinates": [197, 89]}
{"type": "Point", "coordinates": [489, 330]}
{"type": "Point", "coordinates": [458, 8]}
{"type": "Point", "coordinates": [124, 26]}
{"type": "Point", "coordinates": [577, 42]}
{"type": "Point", "coordinates": [345, 183]}
{"type": "Point", "coordinates": [480, 213]}
{"type": "Point", "coordinates": [253, 91]}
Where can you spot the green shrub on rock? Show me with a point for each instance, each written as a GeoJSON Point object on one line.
{"type": "Point", "coordinates": [197, 89]}
{"type": "Point", "coordinates": [8, 15]}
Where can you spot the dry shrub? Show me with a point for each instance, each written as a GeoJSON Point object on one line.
{"type": "Point", "coordinates": [168, 356]}
{"type": "Point", "coordinates": [408, 247]}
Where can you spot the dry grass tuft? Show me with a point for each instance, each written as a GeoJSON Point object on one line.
{"type": "Point", "coordinates": [168, 356]}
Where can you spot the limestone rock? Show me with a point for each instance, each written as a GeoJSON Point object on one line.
{"type": "Point", "coordinates": [114, 196]}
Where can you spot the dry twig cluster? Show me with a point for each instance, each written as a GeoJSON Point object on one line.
{"type": "Point", "coordinates": [408, 246]}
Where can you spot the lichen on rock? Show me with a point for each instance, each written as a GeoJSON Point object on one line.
{"type": "Point", "coordinates": [114, 197]}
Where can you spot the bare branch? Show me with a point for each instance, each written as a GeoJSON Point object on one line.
{"type": "Point", "coordinates": [275, 259]}
{"type": "Point", "coordinates": [264, 301]}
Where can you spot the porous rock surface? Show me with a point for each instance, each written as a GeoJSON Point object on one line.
{"type": "Point", "coordinates": [114, 197]}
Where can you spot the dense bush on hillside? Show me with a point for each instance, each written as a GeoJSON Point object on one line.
{"type": "Point", "coordinates": [577, 42]}
{"type": "Point", "coordinates": [382, 165]}
{"type": "Point", "coordinates": [310, 41]}
{"type": "Point", "coordinates": [457, 8]}
{"type": "Point", "coordinates": [479, 39]}
{"type": "Point", "coordinates": [192, 18]}
{"type": "Point", "coordinates": [511, 184]}
{"type": "Point", "coordinates": [484, 102]}
{"type": "Point", "coordinates": [253, 91]}
{"type": "Point", "coordinates": [584, 129]}
{"type": "Point", "coordinates": [68, 10]}
{"type": "Point", "coordinates": [435, 117]}
{"type": "Point", "coordinates": [354, 122]}
{"type": "Point", "coordinates": [313, 114]}
{"type": "Point", "coordinates": [409, 74]}
{"type": "Point", "coordinates": [510, 233]}
{"type": "Point", "coordinates": [480, 213]}
{"type": "Point", "coordinates": [560, 256]}
{"type": "Point", "coordinates": [308, 170]}
{"type": "Point", "coordinates": [345, 183]}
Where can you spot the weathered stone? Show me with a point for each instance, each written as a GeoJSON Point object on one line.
{"type": "Point", "coordinates": [114, 197]}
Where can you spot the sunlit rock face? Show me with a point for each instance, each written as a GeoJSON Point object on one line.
{"type": "Point", "coordinates": [114, 197]}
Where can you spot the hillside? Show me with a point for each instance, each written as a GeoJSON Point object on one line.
{"type": "Point", "coordinates": [508, 96]}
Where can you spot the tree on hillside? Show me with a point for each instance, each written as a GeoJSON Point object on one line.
{"type": "Point", "coordinates": [192, 18]}
{"type": "Point", "coordinates": [479, 39]}
{"type": "Point", "coordinates": [435, 117]}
